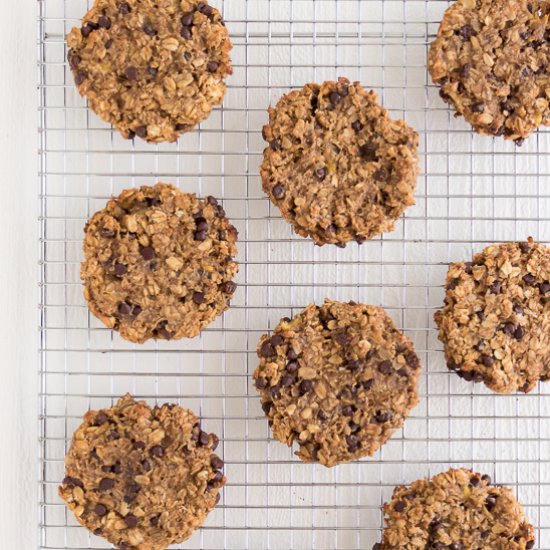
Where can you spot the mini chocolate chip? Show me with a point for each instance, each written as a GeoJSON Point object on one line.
{"type": "Point", "coordinates": [287, 381]}
{"type": "Point", "coordinates": [216, 462]}
{"type": "Point", "coordinates": [157, 451]}
{"type": "Point", "coordinates": [131, 74]}
{"type": "Point", "coordinates": [320, 173]}
{"type": "Point", "coordinates": [495, 287]}
{"type": "Point", "coordinates": [477, 108]}
{"type": "Point", "coordinates": [509, 329]}
{"type": "Point", "coordinates": [149, 30]}
{"type": "Point", "coordinates": [100, 510]}
{"type": "Point", "coordinates": [357, 126]}
{"type": "Point", "coordinates": [487, 360]}
{"type": "Point", "coordinates": [124, 308]}
{"type": "Point", "coordinates": [278, 191]}
{"type": "Point", "coordinates": [131, 520]}
{"type": "Point", "coordinates": [347, 410]}
{"type": "Point", "coordinates": [106, 484]}
{"type": "Point", "coordinates": [261, 383]}
{"type": "Point", "coordinates": [104, 22]}
{"type": "Point", "coordinates": [519, 333]}
{"type": "Point", "coordinates": [544, 288]}
{"type": "Point", "coordinates": [335, 98]}
{"type": "Point", "coordinates": [306, 386]}
{"type": "Point", "coordinates": [399, 506]}
{"type": "Point", "coordinates": [267, 350]}
{"type": "Point", "coordinates": [385, 367]}
{"type": "Point", "coordinates": [120, 269]}
{"type": "Point", "coordinates": [528, 278]}
{"type": "Point", "coordinates": [199, 298]}
{"type": "Point", "coordinates": [212, 66]}
{"type": "Point", "coordinates": [466, 32]}
{"type": "Point", "coordinates": [292, 367]}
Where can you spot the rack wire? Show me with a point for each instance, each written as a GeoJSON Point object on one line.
{"type": "Point", "coordinates": [473, 191]}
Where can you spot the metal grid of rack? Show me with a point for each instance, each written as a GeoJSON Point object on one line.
{"type": "Point", "coordinates": [473, 191]}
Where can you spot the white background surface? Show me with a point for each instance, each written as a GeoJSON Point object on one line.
{"type": "Point", "coordinates": [18, 272]}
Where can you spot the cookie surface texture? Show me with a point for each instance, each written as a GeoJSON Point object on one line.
{"type": "Point", "coordinates": [490, 59]}
{"type": "Point", "coordinates": [455, 510]}
{"type": "Point", "coordinates": [338, 380]}
{"type": "Point", "coordinates": [337, 166]}
{"type": "Point", "coordinates": [143, 478]}
{"type": "Point", "coordinates": [151, 68]}
{"type": "Point", "coordinates": [495, 325]}
{"type": "Point", "coordinates": [158, 263]}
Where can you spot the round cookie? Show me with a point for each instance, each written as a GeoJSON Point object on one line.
{"type": "Point", "coordinates": [151, 68]}
{"type": "Point", "coordinates": [337, 166]}
{"type": "Point", "coordinates": [490, 59]}
{"type": "Point", "coordinates": [158, 263]}
{"type": "Point", "coordinates": [142, 478]}
{"type": "Point", "coordinates": [455, 510]}
{"type": "Point", "coordinates": [495, 325]}
{"type": "Point", "coordinates": [338, 379]}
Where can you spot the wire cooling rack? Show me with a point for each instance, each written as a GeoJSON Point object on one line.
{"type": "Point", "coordinates": [473, 191]}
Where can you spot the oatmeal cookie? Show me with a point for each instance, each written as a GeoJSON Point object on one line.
{"type": "Point", "coordinates": [455, 510]}
{"type": "Point", "coordinates": [338, 379]}
{"type": "Point", "coordinates": [142, 478]}
{"type": "Point", "coordinates": [158, 263]}
{"type": "Point", "coordinates": [495, 325]}
{"type": "Point", "coordinates": [490, 59]}
{"type": "Point", "coordinates": [337, 166]}
{"type": "Point", "coordinates": [151, 68]}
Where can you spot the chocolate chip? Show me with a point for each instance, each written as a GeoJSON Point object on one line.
{"type": "Point", "coordinates": [136, 310]}
{"type": "Point", "coordinates": [266, 407]}
{"type": "Point", "coordinates": [292, 367]}
{"type": "Point", "coordinates": [382, 174]}
{"type": "Point", "coordinates": [486, 478]}
{"type": "Point", "coordinates": [352, 365]}
{"type": "Point", "coordinates": [80, 77]}
{"type": "Point", "coordinates": [528, 278]}
{"type": "Point", "coordinates": [113, 436]}
{"type": "Point", "coordinates": [120, 269]}
{"type": "Point", "coordinates": [141, 131]}
{"type": "Point", "coordinates": [465, 70]}
{"type": "Point", "coordinates": [157, 451]}
{"type": "Point", "coordinates": [518, 310]}
{"type": "Point", "coordinates": [212, 66]}
{"type": "Point", "coordinates": [185, 32]}
{"type": "Point", "coordinates": [466, 32]}
{"type": "Point", "coordinates": [480, 315]}
{"type": "Point", "coordinates": [152, 71]}
{"type": "Point", "coordinates": [154, 521]}
{"type": "Point", "coordinates": [205, 9]}
{"type": "Point", "coordinates": [216, 462]}
{"type": "Point", "coordinates": [74, 481]}
{"type": "Point", "coordinates": [320, 173]}
{"type": "Point", "coordinates": [279, 191]}
{"type": "Point", "coordinates": [385, 367]}
{"type": "Point", "coordinates": [347, 410]}
{"type": "Point", "coordinates": [101, 418]}
{"type": "Point", "coordinates": [204, 439]}
{"type": "Point", "coordinates": [124, 308]}
{"type": "Point", "coordinates": [100, 510]}
{"type": "Point", "coordinates": [124, 8]}
{"type": "Point", "coordinates": [519, 333]}
{"type": "Point", "coordinates": [86, 30]}
{"type": "Point", "coordinates": [530, 545]}
{"type": "Point", "coordinates": [381, 417]}
{"type": "Point", "coordinates": [342, 339]}
{"type": "Point", "coordinates": [261, 383]}
{"type": "Point", "coordinates": [403, 372]}
{"type": "Point", "coordinates": [199, 298]}
{"type": "Point", "coordinates": [544, 288]}
{"type": "Point", "coordinates": [368, 151]}
{"type": "Point", "coordinates": [495, 287]}
{"type": "Point", "coordinates": [287, 381]}
{"type": "Point", "coordinates": [149, 30]}
{"type": "Point", "coordinates": [201, 235]}
{"type": "Point", "coordinates": [276, 340]}
{"type": "Point", "coordinates": [468, 267]}
{"type": "Point", "coordinates": [335, 98]}
{"type": "Point", "coordinates": [131, 520]}
{"type": "Point", "coordinates": [509, 329]}
{"type": "Point", "coordinates": [368, 384]}
{"type": "Point", "coordinates": [474, 481]}
{"type": "Point", "coordinates": [477, 108]}
{"type": "Point", "coordinates": [181, 127]}
{"type": "Point", "coordinates": [104, 22]}
{"type": "Point", "coordinates": [399, 506]}
{"type": "Point", "coordinates": [106, 484]}
{"type": "Point", "coordinates": [353, 442]}
{"type": "Point", "coordinates": [106, 233]}
{"type": "Point", "coordinates": [131, 74]}
{"type": "Point", "coordinates": [487, 360]}
{"type": "Point", "coordinates": [490, 502]}
{"type": "Point", "coordinates": [267, 350]}
{"type": "Point", "coordinates": [506, 107]}
{"type": "Point", "coordinates": [306, 386]}
{"type": "Point", "coordinates": [229, 287]}
{"type": "Point", "coordinates": [187, 19]}
{"type": "Point", "coordinates": [146, 465]}
{"type": "Point", "coordinates": [519, 142]}
{"type": "Point", "coordinates": [357, 126]}
{"type": "Point", "coordinates": [108, 44]}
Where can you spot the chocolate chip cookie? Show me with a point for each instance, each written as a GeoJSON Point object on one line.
{"type": "Point", "coordinates": [142, 478]}
{"type": "Point", "coordinates": [490, 59]}
{"type": "Point", "coordinates": [455, 510]}
{"type": "Point", "coordinates": [158, 263]}
{"type": "Point", "coordinates": [338, 379]}
{"type": "Point", "coordinates": [151, 68]}
{"type": "Point", "coordinates": [337, 166]}
{"type": "Point", "coordinates": [495, 324]}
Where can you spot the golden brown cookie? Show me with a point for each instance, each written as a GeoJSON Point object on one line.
{"type": "Point", "coordinates": [151, 68]}
{"type": "Point", "coordinates": [337, 379]}
{"type": "Point", "coordinates": [455, 510]}
{"type": "Point", "coordinates": [337, 166]}
{"type": "Point", "coordinates": [495, 325]}
{"type": "Point", "coordinates": [158, 263]}
{"type": "Point", "coordinates": [490, 59]}
{"type": "Point", "coordinates": [142, 478]}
